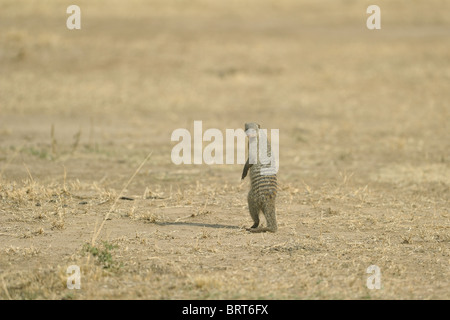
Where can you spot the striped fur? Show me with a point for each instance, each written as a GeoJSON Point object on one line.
{"type": "Point", "coordinates": [263, 192]}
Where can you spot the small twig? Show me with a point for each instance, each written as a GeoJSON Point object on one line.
{"type": "Point", "coordinates": [103, 202]}
{"type": "Point", "coordinates": [193, 214]}
{"type": "Point", "coordinates": [77, 141]}
{"type": "Point", "coordinates": [126, 198]}
{"type": "Point", "coordinates": [64, 179]}
{"type": "Point", "coordinates": [94, 238]}
{"type": "Point", "coordinates": [29, 173]}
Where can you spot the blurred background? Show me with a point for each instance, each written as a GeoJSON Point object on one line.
{"type": "Point", "coordinates": [344, 97]}
{"type": "Point", "coordinates": [364, 146]}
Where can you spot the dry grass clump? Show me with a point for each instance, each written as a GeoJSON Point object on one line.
{"type": "Point", "coordinates": [149, 217]}
{"type": "Point", "coordinates": [26, 252]}
{"type": "Point", "coordinates": [28, 191]}
{"type": "Point", "coordinates": [207, 282]}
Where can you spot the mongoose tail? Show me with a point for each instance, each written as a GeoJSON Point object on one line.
{"type": "Point", "coordinates": [247, 166]}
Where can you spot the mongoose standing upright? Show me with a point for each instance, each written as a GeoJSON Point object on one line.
{"type": "Point", "coordinates": [263, 191]}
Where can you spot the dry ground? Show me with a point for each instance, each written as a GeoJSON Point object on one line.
{"type": "Point", "coordinates": [364, 149]}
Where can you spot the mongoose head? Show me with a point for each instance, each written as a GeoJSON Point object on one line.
{"type": "Point", "coordinates": [252, 129]}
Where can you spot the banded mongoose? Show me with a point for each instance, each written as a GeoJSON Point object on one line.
{"type": "Point", "coordinates": [263, 191]}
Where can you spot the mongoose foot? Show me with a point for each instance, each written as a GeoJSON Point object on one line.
{"type": "Point", "coordinates": [258, 230]}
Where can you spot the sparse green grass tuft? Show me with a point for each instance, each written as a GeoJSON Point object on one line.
{"type": "Point", "coordinates": [103, 254]}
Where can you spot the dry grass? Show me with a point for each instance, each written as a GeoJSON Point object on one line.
{"type": "Point", "coordinates": [364, 149]}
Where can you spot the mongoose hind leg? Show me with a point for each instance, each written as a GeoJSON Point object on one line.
{"type": "Point", "coordinates": [269, 213]}
{"type": "Point", "coordinates": [268, 210]}
{"type": "Point", "coordinates": [254, 210]}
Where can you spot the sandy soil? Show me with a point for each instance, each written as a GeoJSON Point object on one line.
{"type": "Point", "coordinates": [364, 149]}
